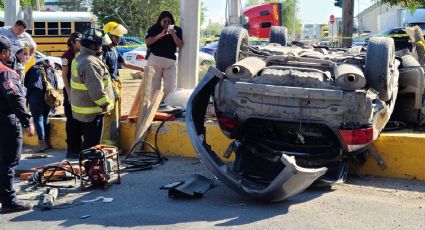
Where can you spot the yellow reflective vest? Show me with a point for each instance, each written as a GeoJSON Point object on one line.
{"type": "Point", "coordinates": [91, 86]}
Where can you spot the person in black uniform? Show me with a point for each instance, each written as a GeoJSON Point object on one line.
{"type": "Point", "coordinates": [13, 115]}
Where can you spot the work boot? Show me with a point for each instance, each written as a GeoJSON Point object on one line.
{"type": "Point", "coordinates": [17, 206]}
{"type": "Point", "coordinates": [42, 145]}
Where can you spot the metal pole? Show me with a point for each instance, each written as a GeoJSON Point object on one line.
{"type": "Point", "coordinates": [294, 20]}
{"type": "Point", "coordinates": [235, 12]}
{"type": "Point", "coordinates": [188, 61]}
{"type": "Point", "coordinates": [11, 14]}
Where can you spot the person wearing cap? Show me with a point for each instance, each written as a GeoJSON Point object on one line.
{"type": "Point", "coordinates": [73, 127]}
{"type": "Point", "coordinates": [163, 39]}
{"type": "Point", "coordinates": [13, 115]}
{"type": "Point", "coordinates": [113, 59]}
{"type": "Point", "coordinates": [18, 37]}
{"type": "Point", "coordinates": [91, 88]}
{"type": "Point", "coordinates": [22, 58]}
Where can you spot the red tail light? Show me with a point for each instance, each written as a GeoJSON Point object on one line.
{"type": "Point", "coordinates": [356, 139]}
{"type": "Point", "coordinates": [226, 123]}
{"type": "Point", "coordinates": [140, 57]}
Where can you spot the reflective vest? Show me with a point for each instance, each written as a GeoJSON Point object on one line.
{"type": "Point", "coordinates": [91, 86]}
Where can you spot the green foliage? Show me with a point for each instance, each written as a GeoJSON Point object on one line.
{"type": "Point", "coordinates": [203, 12]}
{"type": "Point", "coordinates": [32, 3]}
{"type": "Point", "coordinates": [212, 29]}
{"type": "Point", "coordinates": [411, 4]}
{"type": "Point", "coordinates": [136, 15]}
{"type": "Point", "coordinates": [74, 5]}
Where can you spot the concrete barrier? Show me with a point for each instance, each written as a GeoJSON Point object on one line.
{"type": "Point", "coordinates": [403, 152]}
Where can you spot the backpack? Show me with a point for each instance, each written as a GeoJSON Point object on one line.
{"type": "Point", "coordinates": [52, 97]}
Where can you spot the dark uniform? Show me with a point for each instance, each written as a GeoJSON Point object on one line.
{"type": "Point", "coordinates": [13, 115]}
{"type": "Point", "coordinates": [74, 130]}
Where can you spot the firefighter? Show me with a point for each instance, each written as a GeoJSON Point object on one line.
{"type": "Point", "coordinates": [13, 115]}
{"type": "Point", "coordinates": [113, 59]}
{"type": "Point", "coordinates": [73, 126]}
{"type": "Point", "coordinates": [91, 88]}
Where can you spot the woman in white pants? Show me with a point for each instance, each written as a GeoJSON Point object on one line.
{"type": "Point", "coordinates": [163, 39]}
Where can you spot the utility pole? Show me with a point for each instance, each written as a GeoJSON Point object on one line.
{"type": "Point", "coordinates": [294, 19]}
{"type": "Point", "coordinates": [347, 22]}
{"type": "Point", "coordinates": [235, 13]}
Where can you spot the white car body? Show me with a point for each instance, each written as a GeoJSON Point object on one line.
{"type": "Point", "coordinates": [55, 60]}
{"type": "Point", "coordinates": [137, 57]}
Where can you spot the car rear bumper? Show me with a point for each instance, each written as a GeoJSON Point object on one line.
{"type": "Point", "coordinates": [292, 179]}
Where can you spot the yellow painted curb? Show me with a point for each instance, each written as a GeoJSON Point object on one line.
{"type": "Point", "coordinates": [403, 152]}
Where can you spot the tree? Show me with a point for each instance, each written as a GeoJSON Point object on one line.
{"type": "Point", "coordinates": [75, 5]}
{"type": "Point", "coordinates": [32, 3]}
{"type": "Point", "coordinates": [411, 4]}
{"type": "Point", "coordinates": [212, 29]}
{"type": "Point", "coordinates": [203, 12]}
{"type": "Point", "coordinates": [136, 15]}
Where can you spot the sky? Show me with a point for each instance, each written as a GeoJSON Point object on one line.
{"type": "Point", "coordinates": [309, 11]}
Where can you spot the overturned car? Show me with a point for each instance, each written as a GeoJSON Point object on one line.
{"type": "Point", "coordinates": [296, 114]}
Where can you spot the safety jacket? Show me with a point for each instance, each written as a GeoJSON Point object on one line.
{"type": "Point", "coordinates": [91, 86]}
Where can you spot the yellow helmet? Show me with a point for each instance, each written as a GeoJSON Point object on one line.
{"type": "Point", "coordinates": [114, 28]}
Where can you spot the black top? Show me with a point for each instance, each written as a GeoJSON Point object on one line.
{"type": "Point", "coordinates": [164, 47]}
{"type": "Point", "coordinates": [12, 98]}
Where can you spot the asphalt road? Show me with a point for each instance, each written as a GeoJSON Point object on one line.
{"type": "Point", "coordinates": [361, 203]}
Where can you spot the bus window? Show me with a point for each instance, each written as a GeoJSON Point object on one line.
{"type": "Point", "coordinates": [264, 13]}
{"type": "Point", "coordinates": [266, 24]}
{"type": "Point", "coordinates": [39, 28]}
{"type": "Point", "coordinates": [52, 28]}
{"type": "Point", "coordinates": [29, 32]}
{"type": "Point", "coordinates": [82, 26]}
{"type": "Point", "coordinates": [65, 28]}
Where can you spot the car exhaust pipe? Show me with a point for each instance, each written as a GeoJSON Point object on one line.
{"type": "Point", "coordinates": [349, 77]}
{"type": "Point", "coordinates": [245, 69]}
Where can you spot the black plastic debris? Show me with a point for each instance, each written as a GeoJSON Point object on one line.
{"type": "Point", "coordinates": [193, 187]}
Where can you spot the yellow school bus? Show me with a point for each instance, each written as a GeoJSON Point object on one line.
{"type": "Point", "coordinates": [50, 30]}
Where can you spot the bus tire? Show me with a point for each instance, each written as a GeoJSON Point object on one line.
{"type": "Point", "coordinates": [232, 41]}
{"type": "Point", "coordinates": [278, 34]}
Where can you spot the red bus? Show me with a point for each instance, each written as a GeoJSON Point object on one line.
{"type": "Point", "coordinates": [261, 17]}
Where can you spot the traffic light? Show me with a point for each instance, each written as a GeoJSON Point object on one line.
{"type": "Point", "coordinates": [338, 3]}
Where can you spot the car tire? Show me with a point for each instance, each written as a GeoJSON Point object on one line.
{"type": "Point", "coordinates": [409, 61]}
{"type": "Point", "coordinates": [278, 34]}
{"type": "Point", "coordinates": [380, 66]}
{"type": "Point", "coordinates": [233, 40]}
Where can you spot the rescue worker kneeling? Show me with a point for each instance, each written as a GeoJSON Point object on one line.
{"type": "Point", "coordinates": [91, 88]}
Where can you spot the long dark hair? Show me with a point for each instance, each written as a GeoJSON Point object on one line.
{"type": "Point", "coordinates": [165, 14]}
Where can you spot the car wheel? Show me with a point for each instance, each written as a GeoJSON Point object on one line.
{"type": "Point", "coordinates": [232, 47]}
{"type": "Point", "coordinates": [278, 34]}
{"type": "Point", "coordinates": [380, 66]}
{"type": "Point", "coordinates": [409, 61]}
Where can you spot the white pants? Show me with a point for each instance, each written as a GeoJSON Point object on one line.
{"type": "Point", "coordinates": [165, 71]}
